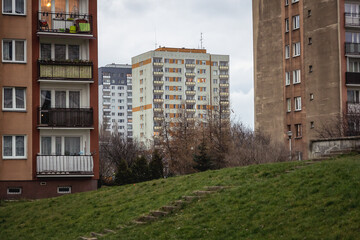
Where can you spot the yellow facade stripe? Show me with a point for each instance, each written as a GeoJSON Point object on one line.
{"type": "Point", "coordinates": [144, 107]}
{"type": "Point", "coordinates": [142, 63]}
{"type": "Point", "coordinates": [187, 50]}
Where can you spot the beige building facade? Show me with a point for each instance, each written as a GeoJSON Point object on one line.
{"type": "Point", "coordinates": [169, 82]}
{"type": "Point", "coordinates": [305, 67]}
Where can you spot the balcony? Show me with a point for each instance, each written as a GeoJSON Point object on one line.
{"type": "Point", "coordinates": [224, 94]}
{"type": "Point", "coordinates": [224, 76]}
{"type": "Point", "coordinates": [158, 91]}
{"type": "Point", "coordinates": [224, 85]}
{"type": "Point", "coordinates": [188, 83]}
{"type": "Point", "coordinates": [66, 117]}
{"type": "Point", "coordinates": [188, 92]}
{"type": "Point", "coordinates": [225, 103]}
{"type": "Point", "coordinates": [158, 73]}
{"type": "Point", "coordinates": [352, 78]}
{"type": "Point", "coordinates": [158, 119]}
{"type": "Point", "coordinates": [352, 20]}
{"type": "Point", "coordinates": [191, 101]}
{"type": "Point", "coordinates": [158, 83]}
{"type": "Point", "coordinates": [65, 166]}
{"type": "Point", "coordinates": [190, 110]}
{"type": "Point", "coordinates": [158, 64]}
{"type": "Point", "coordinates": [353, 108]}
{"type": "Point", "coordinates": [158, 110]}
{"type": "Point", "coordinates": [190, 74]}
{"type": "Point", "coordinates": [157, 128]}
{"type": "Point", "coordinates": [224, 67]}
{"type": "Point", "coordinates": [352, 48]}
{"type": "Point", "coordinates": [65, 24]}
{"type": "Point", "coordinates": [158, 100]}
{"type": "Point", "coordinates": [106, 109]}
{"type": "Point", "coordinates": [72, 71]}
{"type": "Point", "coordinates": [190, 65]}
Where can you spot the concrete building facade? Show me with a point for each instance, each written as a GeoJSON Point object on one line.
{"type": "Point", "coordinates": [115, 99]}
{"type": "Point", "coordinates": [169, 80]}
{"type": "Point", "coordinates": [305, 67]}
{"type": "Point", "coordinates": [48, 120]}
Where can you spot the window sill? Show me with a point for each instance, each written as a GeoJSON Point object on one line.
{"type": "Point", "coordinates": [14, 62]}
{"type": "Point", "coordinates": [14, 158]}
{"type": "Point", "coordinates": [295, 83]}
{"type": "Point", "coordinates": [296, 29]}
{"type": "Point", "coordinates": [14, 110]}
{"type": "Point", "coordinates": [14, 14]}
{"type": "Point", "coordinates": [298, 137]}
{"type": "Point", "coordinates": [287, 85]}
{"type": "Point", "coordinates": [298, 110]}
{"type": "Point", "coordinates": [294, 56]}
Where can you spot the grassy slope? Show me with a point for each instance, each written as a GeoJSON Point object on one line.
{"type": "Point", "coordinates": [319, 201]}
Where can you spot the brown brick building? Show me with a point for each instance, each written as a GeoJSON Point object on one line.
{"type": "Point", "coordinates": [306, 66]}
{"type": "Point", "coordinates": [49, 98]}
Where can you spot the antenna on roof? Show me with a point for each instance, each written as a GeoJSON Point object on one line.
{"type": "Point", "coordinates": [201, 41]}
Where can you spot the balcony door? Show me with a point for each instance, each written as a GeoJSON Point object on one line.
{"type": "Point", "coordinates": [352, 11]}
{"type": "Point", "coordinates": [61, 145]}
{"type": "Point", "coordinates": [60, 99]}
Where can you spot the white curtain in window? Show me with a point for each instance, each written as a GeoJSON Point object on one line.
{"type": "Point", "coordinates": [74, 52]}
{"type": "Point", "coordinates": [45, 51]}
{"type": "Point", "coordinates": [60, 99]}
{"type": "Point", "coordinates": [74, 99]}
{"type": "Point", "coordinates": [45, 99]}
{"type": "Point", "coordinates": [46, 145]}
{"type": "Point", "coordinates": [72, 145]}
{"type": "Point", "coordinates": [8, 98]}
{"type": "Point", "coordinates": [20, 98]}
{"type": "Point", "coordinates": [19, 50]}
{"type": "Point", "coordinates": [60, 52]}
{"type": "Point", "coordinates": [7, 146]}
{"type": "Point", "coordinates": [58, 146]}
{"type": "Point", "coordinates": [7, 50]}
{"type": "Point", "coordinates": [7, 8]}
{"type": "Point", "coordinates": [19, 6]}
{"type": "Point", "coordinates": [20, 146]}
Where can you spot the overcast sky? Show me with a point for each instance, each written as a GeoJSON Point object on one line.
{"type": "Point", "coordinates": [128, 28]}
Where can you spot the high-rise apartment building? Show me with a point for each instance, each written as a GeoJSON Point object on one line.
{"type": "Point", "coordinates": [115, 99]}
{"type": "Point", "coordinates": [169, 82]}
{"type": "Point", "coordinates": [48, 118]}
{"type": "Point", "coordinates": [306, 67]}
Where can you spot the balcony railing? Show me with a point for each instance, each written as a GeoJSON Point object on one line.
{"type": "Point", "coordinates": [190, 74]}
{"type": "Point", "coordinates": [352, 48]}
{"type": "Point", "coordinates": [65, 70]}
{"type": "Point", "coordinates": [64, 23]}
{"type": "Point", "coordinates": [353, 108]}
{"type": "Point", "coordinates": [66, 117]}
{"type": "Point", "coordinates": [352, 20]}
{"type": "Point", "coordinates": [62, 166]}
{"type": "Point", "coordinates": [225, 67]}
{"type": "Point", "coordinates": [352, 78]}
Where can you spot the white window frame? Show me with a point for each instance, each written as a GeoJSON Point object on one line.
{"type": "Point", "coordinates": [287, 51]}
{"type": "Point", "coordinates": [287, 78]}
{"type": "Point", "coordinates": [53, 143]}
{"type": "Point", "coordinates": [296, 49]}
{"type": "Point", "coordinates": [53, 56]}
{"type": "Point", "coordinates": [13, 142]}
{"type": "Point", "coordinates": [13, 51]}
{"type": "Point", "coordinates": [287, 25]}
{"type": "Point", "coordinates": [297, 103]}
{"type": "Point", "coordinates": [64, 192]}
{"type": "Point", "coordinates": [13, 9]}
{"type": "Point", "coordinates": [296, 76]}
{"type": "Point", "coordinates": [294, 1]}
{"type": "Point", "coordinates": [14, 109]}
{"type": "Point", "coordinates": [296, 22]}
{"type": "Point", "coordinates": [288, 102]}
{"type": "Point", "coordinates": [12, 193]}
{"type": "Point", "coordinates": [286, 2]}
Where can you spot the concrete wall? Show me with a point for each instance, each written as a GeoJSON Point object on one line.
{"type": "Point", "coordinates": [323, 147]}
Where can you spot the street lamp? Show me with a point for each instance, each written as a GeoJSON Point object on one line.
{"type": "Point", "coordinates": [289, 133]}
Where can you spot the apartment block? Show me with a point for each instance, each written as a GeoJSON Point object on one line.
{"type": "Point", "coordinates": [49, 115]}
{"type": "Point", "coordinates": [306, 67]}
{"type": "Point", "coordinates": [169, 82]}
{"type": "Point", "coordinates": [115, 99]}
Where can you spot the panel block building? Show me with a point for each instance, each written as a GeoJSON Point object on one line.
{"type": "Point", "coordinates": [306, 67]}
{"type": "Point", "coordinates": [167, 80]}
{"type": "Point", "coordinates": [115, 99]}
{"type": "Point", "coordinates": [49, 98]}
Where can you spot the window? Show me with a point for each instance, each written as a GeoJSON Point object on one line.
{"type": "Point", "coordinates": [215, 90]}
{"type": "Point", "coordinates": [309, 13]}
{"type": "Point", "coordinates": [353, 96]}
{"type": "Point", "coordinates": [312, 125]}
{"type": "Point", "coordinates": [286, 2]}
{"type": "Point", "coordinates": [14, 99]}
{"type": "Point", "coordinates": [286, 25]}
{"type": "Point", "coordinates": [14, 147]}
{"type": "Point", "coordinates": [297, 103]}
{"type": "Point", "coordinates": [14, 7]}
{"type": "Point", "coordinates": [14, 190]}
{"type": "Point", "coordinates": [353, 65]}
{"type": "Point", "coordinates": [59, 145]}
{"type": "Point", "coordinates": [14, 51]}
{"type": "Point", "coordinates": [294, 1]}
{"type": "Point", "coordinates": [59, 52]}
{"type": "Point", "coordinates": [310, 69]}
{"type": "Point", "coordinates": [296, 22]}
{"type": "Point", "coordinates": [296, 76]}
{"type": "Point", "coordinates": [215, 81]}
{"type": "Point", "coordinates": [287, 51]}
{"type": "Point", "coordinates": [64, 190]}
{"type": "Point", "coordinates": [298, 129]}
{"type": "Point", "coordinates": [288, 102]}
{"type": "Point", "coordinates": [310, 41]}
{"type": "Point", "coordinates": [311, 96]}
{"type": "Point", "coordinates": [215, 72]}
{"type": "Point", "coordinates": [287, 78]}
{"type": "Point", "coordinates": [296, 49]}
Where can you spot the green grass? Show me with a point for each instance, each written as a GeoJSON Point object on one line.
{"type": "Point", "coordinates": [319, 201]}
